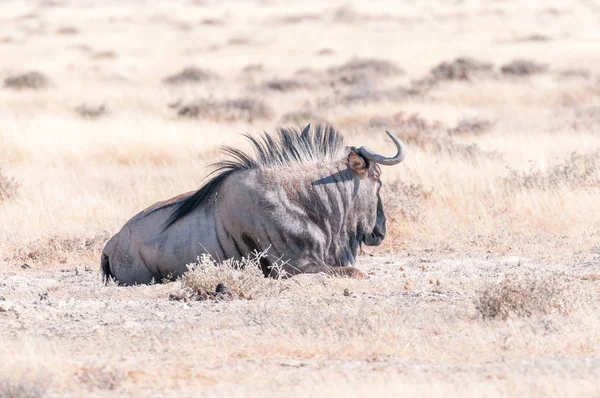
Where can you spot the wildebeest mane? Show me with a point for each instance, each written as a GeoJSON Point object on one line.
{"type": "Point", "coordinates": [286, 147]}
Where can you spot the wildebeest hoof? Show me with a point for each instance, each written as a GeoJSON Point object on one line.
{"type": "Point", "coordinates": [357, 274]}
{"type": "Point", "coordinates": [221, 288]}
{"type": "Point", "coordinates": [350, 272]}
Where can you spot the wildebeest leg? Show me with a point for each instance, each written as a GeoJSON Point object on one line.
{"type": "Point", "coordinates": [350, 272]}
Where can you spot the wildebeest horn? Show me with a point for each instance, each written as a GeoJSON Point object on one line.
{"type": "Point", "coordinates": [366, 152]}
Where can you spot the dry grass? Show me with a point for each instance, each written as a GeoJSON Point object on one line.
{"type": "Point", "coordinates": [229, 110]}
{"type": "Point", "coordinates": [523, 67]}
{"type": "Point", "coordinates": [8, 187]}
{"type": "Point", "coordinates": [576, 172]}
{"type": "Point", "coordinates": [22, 388]}
{"type": "Point", "coordinates": [525, 296]}
{"type": "Point", "coordinates": [30, 80]}
{"type": "Point", "coordinates": [460, 69]}
{"type": "Point", "coordinates": [244, 279]}
{"type": "Point", "coordinates": [190, 74]}
{"type": "Point", "coordinates": [91, 111]}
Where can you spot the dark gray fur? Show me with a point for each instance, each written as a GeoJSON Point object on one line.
{"type": "Point", "coordinates": [298, 196]}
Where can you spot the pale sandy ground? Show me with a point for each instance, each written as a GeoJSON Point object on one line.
{"type": "Point", "coordinates": [62, 329]}
{"type": "Point", "coordinates": [467, 208]}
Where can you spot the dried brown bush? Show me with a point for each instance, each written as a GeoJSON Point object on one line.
{"type": "Point", "coordinates": [8, 187]}
{"type": "Point", "coordinates": [298, 18]}
{"type": "Point", "coordinates": [534, 37]}
{"type": "Point", "coordinates": [365, 96]}
{"type": "Point", "coordinates": [523, 67]}
{"type": "Point", "coordinates": [244, 278]}
{"type": "Point", "coordinates": [22, 389]}
{"type": "Point", "coordinates": [67, 30]}
{"type": "Point", "coordinates": [104, 55]}
{"type": "Point", "coordinates": [91, 111]}
{"type": "Point", "coordinates": [30, 80]}
{"type": "Point", "coordinates": [460, 69]}
{"type": "Point", "coordinates": [190, 74]}
{"type": "Point", "coordinates": [471, 126]}
{"type": "Point", "coordinates": [100, 377]}
{"type": "Point", "coordinates": [526, 296]}
{"type": "Point", "coordinates": [302, 117]}
{"type": "Point", "coordinates": [239, 41]}
{"type": "Point", "coordinates": [581, 73]}
{"type": "Point", "coordinates": [284, 85]}
{"type": "Point", "coordinates": [360, 71]}
{"type": "Point", "coordinates": [212, 21]}
{"type": "Point", "coordinates": [346, 14]}
{"type": "Point", "coordinates": [325, 51]}
{"type": "Point", "coordinates": [252, 68]}
{"type": "Point", "coordinates": [231, 110]}
{"type": "Point", "coordinates": [578, 170]}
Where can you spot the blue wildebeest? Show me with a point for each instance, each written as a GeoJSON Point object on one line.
{"type": "Point", "coordinates": [305, 196]}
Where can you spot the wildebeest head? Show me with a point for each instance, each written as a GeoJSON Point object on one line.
{"type": "Point", "coordinates": [365, 164]}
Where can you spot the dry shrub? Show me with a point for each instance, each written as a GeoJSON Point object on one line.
{"type": "Point", "coordinates": [349, 14]}
{"type": "Point", "coordinates": [8, 187]}
{"type": "Point", "coordinates": [284, 85]}
{"type": "Point", "coordinates": [244, 278]}
{"type": "Point", "coordinates": [325, 51]}
{"type": "Point", "coordinates": [91, 111]}
{"type": "Point", "coordinates": [360, 71]}
{"type": "Point", "coordinates": [523, 67]}
{"type": "Point", "coordinates": [578, 171]}
{"type": "Point", "coordinates": [104, 55]}
{"type": "Point", "coordinates": [191, 74]}
{"type": "Point", "coordinates": [30, 80]}
{"type": "Point", "coordinates": [534, 37]}
{"type": "Point", "coordinates": [346, 14]}
{"type": "Point", "coordinates": [581, 73]}
{"type": "Point", "coordinates": [231, 110]}
{"type": "Point", "coordinates": [22, 388]}
{"type": "Point", "coordinates": [212, 22]}
{"type": "Point", "coordinates": [366, 95]}
{"type": "Point", "coordinates": [471, 126]}
{"type": "Point", "coordinates": [302, 117]}
{"type": "Point", "coordinates": [253, 68]}
{"type": "Point", "coordinates": [404, 201]}
{"type": "Point", "coordinates": [239, 41]}
{"type": "Point", "coordinates": [460, 69]}
{"type": "Point", "coordinates": [67, 30]}
{"type": "Point", "coordinates": [527, 296]}
{"type": "Point", "coordinates": [298, 18]}
{"type": "Point", "coordinates": [100, 377]}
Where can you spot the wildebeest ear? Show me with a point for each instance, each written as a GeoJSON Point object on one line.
{"type": "Point", "coordinates": [306, 131]}
{"type": "Point", "coordinates": [357, 163]}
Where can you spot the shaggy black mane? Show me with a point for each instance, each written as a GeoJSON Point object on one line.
{"type": "Point", "coordinates": [288, 146]}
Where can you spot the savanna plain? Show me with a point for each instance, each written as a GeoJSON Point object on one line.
{"type": "Point", "coordinates": [487, 282]}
